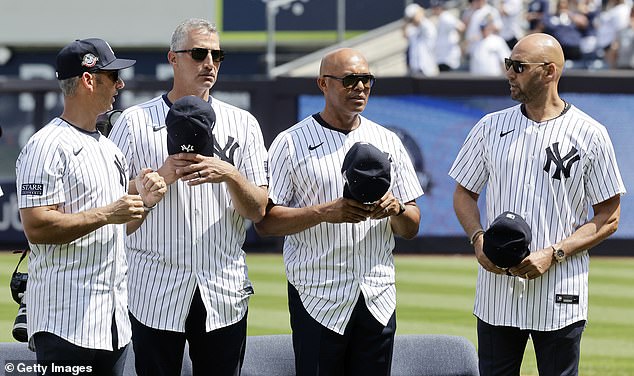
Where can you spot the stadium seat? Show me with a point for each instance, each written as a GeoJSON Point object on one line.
{"type": "Point", "coordinates": [272, 355]}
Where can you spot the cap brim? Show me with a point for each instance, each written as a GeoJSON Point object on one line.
{"type": "Point", "coordinates": [118, 64]}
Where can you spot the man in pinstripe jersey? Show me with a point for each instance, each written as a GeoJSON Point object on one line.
{"type": "Point", "coordinates": [337, 251]}
{"type": "Point", "coordinates": [547, 161]}
{"type": "Point", "coordinates": [188, 275]}
{"type": "Point", "coordinates": [72, 191]}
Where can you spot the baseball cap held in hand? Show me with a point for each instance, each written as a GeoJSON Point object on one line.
{"type": "Point", "coordinates": [88, 55]}
{"type": "Point", "coordinates": [507, 241]}
{"type": "Point", "coordinates": [366, 171]}
{"type": "Point", "coordinates": [189, 123]}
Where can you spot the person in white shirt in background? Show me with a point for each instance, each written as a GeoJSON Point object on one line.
{"type": "Point", "coordinates": [488, 54]}
{"type": "Point", "coordinates": [421, 37]}
{"type": "Point", "coordinates": [512, 27]}
{"type": "Point", "coordinates": [475, 16]}
{"type": "Point", "coordinates": [614, 19]}
{"type": "Point", "coordinates": [449, 29]}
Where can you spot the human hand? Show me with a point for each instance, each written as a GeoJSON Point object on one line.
{"type": "Point", "coordinates": [534, 265]}
{"type": "Point", "coordinates": [346, 210]}
{"type": "Point", "coordinates": [169, 169]}
{"type": "Point", "coordinates": [199, 169]}
{"type": "Point", "coordinates": [386, 206]}
{"type": "Point", "coordinates": [483, 260]}
{"type": "Point", "coordinates": [151, 187]}
{"type": "Point", "coordinates": [125, 209]}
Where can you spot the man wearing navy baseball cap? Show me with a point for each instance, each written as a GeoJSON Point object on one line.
{"type": "Point", "coordinates": [72, 185]}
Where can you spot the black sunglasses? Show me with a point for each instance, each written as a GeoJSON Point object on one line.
{"type": "Point", "coordinates": [200, 54]}
{"type": "Point", "coordinates": [352, 80]}
{"type": "Point", "coordinates": [518, 66]}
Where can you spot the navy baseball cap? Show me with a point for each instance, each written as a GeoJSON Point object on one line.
{"type": "Point", "coordinates": [367, 173]}
{"type": "Point", "coordinates": [189, 123]}
{"type": "Point", "coordinates": [88, 55]}
{"type": "Point", "coordinates": [507, 241]}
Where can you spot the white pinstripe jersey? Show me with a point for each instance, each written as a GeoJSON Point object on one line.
{"type": "Point", "coordinates": [550, 173]}
{"type": "Point", "coordinates": [74, 289]}
{"type": "Point", "coordinates": [194, 236]}
{"type": "Point", "coordinates": [329, 264]}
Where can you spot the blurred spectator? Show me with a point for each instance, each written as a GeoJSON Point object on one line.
{"type": "Point", "coordinates": [511, 13]}
{"type": "Point", "coordinates": [474, 16]}
{"type": "Point", "coordinates": [611, 22]}
{"type": "Point", "coordinates": [447, 50]}
{"type": "Point", "coordinates": [620, 55]}
{"type": "Point", "coordinates": [567, 25]}
{"type": "Point", "coordinates": [421, 38]}
{"type": "Point", "coordinates": [536, 11]}
{"type": "Point", "coordinates": [487, 56]}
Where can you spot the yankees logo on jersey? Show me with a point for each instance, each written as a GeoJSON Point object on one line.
{"type": "Point", "coordinates": [310, 155]}
{"type": "Point", "coordinates": [194, 237]}
{"type": "Point", "coordinates": [73, 169]}
{"type": "Point", "coordinates": [547, 172]}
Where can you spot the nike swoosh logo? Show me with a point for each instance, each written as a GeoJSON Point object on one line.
{"type": "Point", "coordinates": [502, 134]}
{"type": "Point", "coordinates": [310, 147]}
{"type": "Point", "coordinates": [75, 152]}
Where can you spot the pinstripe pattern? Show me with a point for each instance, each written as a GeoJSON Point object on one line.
{"type": "Point", "coordinates": [194, 236]}
{"type": "Point", "coordinates": [329, 264]}
{"type": "Point", "coordinates": [75, 288]}
{"type": "Point", "coordinates": [513, 168]}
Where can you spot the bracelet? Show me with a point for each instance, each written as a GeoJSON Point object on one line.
{"type": "Point", "coordinates": [475, 234]}
{"type": "Point", "coordinates": [148, 209]}
{"type": "Point", "coordinates": [401, 208]}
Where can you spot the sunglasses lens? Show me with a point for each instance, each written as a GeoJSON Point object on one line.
{"type": "Point", "coordinates": [199, 54]}
{"type": "Point", "coordinates": [518, 67]}
{"type": "Point", "coordinates": [217, 55]}
{"type": "Point", "coordinates": [352, 80]}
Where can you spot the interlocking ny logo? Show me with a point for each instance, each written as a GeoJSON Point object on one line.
{"type": "Point", "coordinates": [227, 152]}
{"type": "Point", "coordinates": [560, 163]}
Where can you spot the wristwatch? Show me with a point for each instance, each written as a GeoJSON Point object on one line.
{"type": "Point", "coordinates": [401, 208]}
{"type": "Point", "coordinates": [559, 254]}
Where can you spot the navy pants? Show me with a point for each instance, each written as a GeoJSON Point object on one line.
{"type": "Point", "coordinates": [365, 348]}
{"type": "Point", "coordinates": [219, 352]}
{"type": "Point", "coordinates": [501, 349]}
{"type": "Point", "coordinates": [51, 349]}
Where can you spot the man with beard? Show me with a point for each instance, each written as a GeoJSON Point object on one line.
{"type": "Point", "coordinates": [547, 161]}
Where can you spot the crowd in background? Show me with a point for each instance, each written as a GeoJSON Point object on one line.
{"type": "Point", "coordinates": [477, 35]}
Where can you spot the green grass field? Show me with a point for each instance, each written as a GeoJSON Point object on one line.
{"type": "Point", "coordinates": [435, 295]}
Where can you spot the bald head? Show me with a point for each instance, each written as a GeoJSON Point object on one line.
{"type": "Point", "coordinates": [539, 47]}
{"type": "Point", "coordinates": [343, 60]}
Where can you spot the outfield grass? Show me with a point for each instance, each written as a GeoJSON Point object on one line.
{"type": "Point", "coordinates": [435, 295]}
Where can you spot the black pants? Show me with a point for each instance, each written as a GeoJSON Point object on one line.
{"type": "Point", "coordinates": [365, 348]}
{"type": "Point", "coordinates": [70, 359]}
{"type": "Point", "coordinates": [501, 349]}
{"type": "Point", "coordinates": [219, 352]}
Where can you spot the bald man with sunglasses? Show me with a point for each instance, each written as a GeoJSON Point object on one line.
{"type": "Point", "coordinates": [547, 161]}
{"type": "Point", "coordinates": [338, 251]}
{"type": "Point", "coordinates": [188, 275]}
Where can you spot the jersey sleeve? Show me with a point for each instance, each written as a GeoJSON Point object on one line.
{"type": "Point", "coordinates": [603, 178]}
{"type": "Point", "coordinates": [40, 168]}
{"type": "Point", "coordinates": [469, 168]}
{"type": "Point", "coordinates": [280, 179]}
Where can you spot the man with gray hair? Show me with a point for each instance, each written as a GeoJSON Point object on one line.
{"type": "Point", "coordinates": [188, 275]}
{"type": "Point", "coordinates": [72, 186]}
